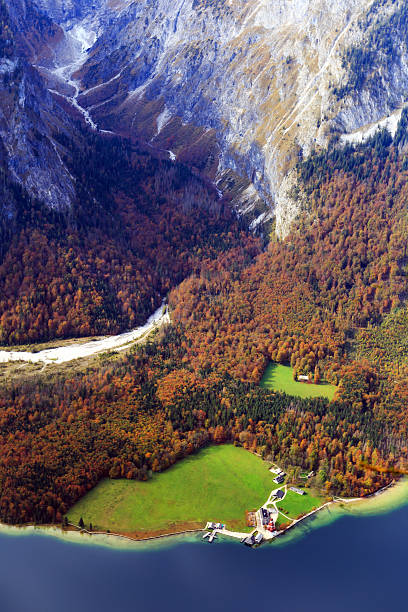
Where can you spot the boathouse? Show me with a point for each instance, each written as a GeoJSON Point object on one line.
{"type": "Point", "coordinates": [250, 540]}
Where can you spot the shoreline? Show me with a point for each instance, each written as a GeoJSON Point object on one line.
{"type": "Point", "coordinates": [339, 500]}
{"type": "Point", "coordinates": [385, 500]}
{"type": "Point", "coordinates": [95, 538]}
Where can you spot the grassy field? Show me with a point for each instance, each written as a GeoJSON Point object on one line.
{"type": "Point", "coordinates": [282, 520]}
{"type": "Point", "coordinates": [280, 378]}
{"type": "Point", "coordinates": [293, 504]}
{"type": "Point", "coordinates": [217, 484]}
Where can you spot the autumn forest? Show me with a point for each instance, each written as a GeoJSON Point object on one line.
{"type": "Point", "coordinates": [143, 229]}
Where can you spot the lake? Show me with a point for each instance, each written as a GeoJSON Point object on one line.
{"type": "Point", "coordinates": [353, 563]}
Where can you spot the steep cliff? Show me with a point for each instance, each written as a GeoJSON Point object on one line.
{"type": "Point", "coordinates": [246, 87]}
{"type": "Point", "coordinates": [29, 116]}
{"type": "Point", "coordinates": [239, 90]}
{"type": "Point", "coordinates": [255, 76]}
{"type": "Point", "coordinates": [94, 230]}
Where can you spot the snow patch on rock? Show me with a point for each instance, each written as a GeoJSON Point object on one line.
{"type": "Point", "coordinates": [163, 119]}
{"type": "Point", "coordinates": [389, 123]}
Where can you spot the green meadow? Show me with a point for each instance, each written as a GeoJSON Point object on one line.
{"type": "Point", "coordinates": [294, 504]}
{"type": "Point", "coordinates": [217, 484]}
{"type": "Point", "coordinates": [280, 378]}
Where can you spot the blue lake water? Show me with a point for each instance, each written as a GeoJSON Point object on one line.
{"type": "Point", "coordinates": [353, 564]}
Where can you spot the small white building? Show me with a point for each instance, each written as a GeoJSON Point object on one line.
{"type": "Point", "coordinates": [296, 490]}
{"type": "Point", "coordinates": [303, 378]}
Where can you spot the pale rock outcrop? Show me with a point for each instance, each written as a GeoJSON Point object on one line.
{"type": "Point", "coordinates": [236, 88]}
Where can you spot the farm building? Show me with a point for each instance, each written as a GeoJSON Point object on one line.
{"type": "Point", "coordinates": [296, 490]}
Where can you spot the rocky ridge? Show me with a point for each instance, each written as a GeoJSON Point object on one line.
{"type": "Point", "coordinates": [239, 90]}
{"type": "Point", "coordinates": [29, 115]}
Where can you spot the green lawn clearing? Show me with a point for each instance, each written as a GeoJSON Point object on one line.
{"type": "Point", "coordinates": [281, 520]}
{"type": "Point", "coordinates": [293, 504]}
{"type": "Point", "coordinates": [280, 378]}
{"type": "Point", "coordinates": [216, 484]}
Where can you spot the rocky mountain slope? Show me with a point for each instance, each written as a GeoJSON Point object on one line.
{"type": "Point", "coordinates": [29, 115]}
{"type": "Point", "coordinates": [240, 88]}
{"type": "Point", "coordinates": [94, 230]}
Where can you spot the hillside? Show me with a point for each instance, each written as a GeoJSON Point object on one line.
{"type": "Point", "coordinates": [242, 90]}
{"type": "Point", "coordinates": [342, 267]}
{"type": "Point", "coordinates": [94, 229]}
{"type": "Point", "coordinates": [137, 227]}
{"type": "Point", "coordinates": [198, 382]}
{"type": "Point", "coordinates": [140, 161]}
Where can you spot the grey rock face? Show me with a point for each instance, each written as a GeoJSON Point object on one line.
{"type": "Point", "coordinates": [33, 156]}
{"type": "Point", "coordinates": [258, 73]}
{"type": "Point", "coordinates": [255, 83]}
{"type": "Point", "coordinates": [261, 73]}
{"type": "Point", "coordinates": [29, 117]}
{"type": "Point", "coordinates": [64, 10]}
